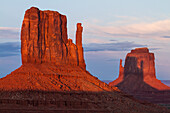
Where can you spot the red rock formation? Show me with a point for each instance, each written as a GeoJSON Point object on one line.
{"type": "Point", "coordinates": [72, 53]}
{"type": "Point", "coordinates": [140, 62]}
{"type": "Point", "coordinates": [121, 69]}
{"type": "Point", "coordinates": [53, 77]}
{"type": "Point", "coordinates": [44, 39]}
{"type": "Point", "coordinates": [79, 46]}
{"type": "Point", "coordinates": [51, 62]}
{"type": "Point", "coordinates": [139, 76]}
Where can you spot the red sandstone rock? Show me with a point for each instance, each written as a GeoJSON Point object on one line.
{"type": "Point", "coordinates": [72, 53]}
{"type": "Point", "coordinates": [51, 61]}
{"type": "Point", "coordinates": [79, 46]}
{"type": "Point", "coordinates": [44, 39]}
{"type": "Point", "coordinates": [139, 77]}
{"type": "Point", "coordinates": [140, 63]}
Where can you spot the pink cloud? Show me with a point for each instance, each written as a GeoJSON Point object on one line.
{"type": "Point", "coordinates": [8, 34]}
{"type": "Point", "coordinates": [156, 29]}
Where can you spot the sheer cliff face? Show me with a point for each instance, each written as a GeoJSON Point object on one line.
{"type": "Point", "coordinates": [140, 62]}
{"type": "Point", "coordinates": [44, 39]}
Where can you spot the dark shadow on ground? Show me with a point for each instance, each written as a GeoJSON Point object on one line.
{"type": "Point", "coordinates": [36, 101]}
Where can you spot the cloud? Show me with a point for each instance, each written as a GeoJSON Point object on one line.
{"type": "Point", "coordinates": [112, 40]}
{"type": "Point", "coordinates": [166, 36]}
{"type": "Point", "coordinates": [9, 33]}
{"type": "Point", "coordinates": [154, 49]}
{"type": "Point", "coordinates": [155, 29]}
{"type": "Point", "coordinates": [9, 49]}
{"type": "Point", "coordinates": [118, 46]}
{"type": "Point", "coordinates": [9, 28]}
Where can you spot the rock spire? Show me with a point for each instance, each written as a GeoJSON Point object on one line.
{"type": "Point", "coordinates": [121, 69]}
{"type": "Point", "coordinates": [79, 46]}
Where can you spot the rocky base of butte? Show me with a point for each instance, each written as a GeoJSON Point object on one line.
{"type": "Point", "coordinates": [138, 77]}
{"type": "Point", "coordinates": [53, 77]}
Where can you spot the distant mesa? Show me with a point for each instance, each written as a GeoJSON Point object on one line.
{"type": "Point", "coordinates": [139, 64]}
{"type": "Point", "coordinates": [138, 73]}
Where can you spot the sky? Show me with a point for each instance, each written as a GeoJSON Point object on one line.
{"type": "Point", "coordinates": [111, 29]}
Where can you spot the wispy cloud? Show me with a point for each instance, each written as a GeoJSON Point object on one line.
{"type": "Point", "coordinates": [166, 36]}
{"type": "Point", "coordinates": [9, 33]}
{"type": "Point", "coordinates": [9, 49]}
{"type": "Point", "coordinates": [118, 46]}
{"type": "Point", "coordinates": [9, 28]}
{"type": "Point", "coordinates": [112, 40]}
{"type": "Point", "coordinates": [156, 29]}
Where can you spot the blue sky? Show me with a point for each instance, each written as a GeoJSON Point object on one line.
{"type": "Point", "coordinates": [111, 29]}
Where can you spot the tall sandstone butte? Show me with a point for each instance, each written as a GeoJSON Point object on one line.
{"type": "Point", "coordinates": [44, 39]}
{"type": "Point", "coordinates": [51, 61]}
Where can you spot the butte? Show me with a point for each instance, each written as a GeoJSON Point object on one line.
{"type": "Point", "coordinates": [138, 77]}
{"type": "Point", "coordinates": [53, 76]}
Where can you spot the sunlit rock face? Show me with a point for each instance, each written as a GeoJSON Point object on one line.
{"type": "Point", "coordinates": [44, 39]}
{"type": "Point", "coordinates": [79, 46]}
{"type": "Point", "coordinates": [51, 61]}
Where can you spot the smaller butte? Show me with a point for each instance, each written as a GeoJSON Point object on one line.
{"type": "Point", "coordinates": [139, 66]}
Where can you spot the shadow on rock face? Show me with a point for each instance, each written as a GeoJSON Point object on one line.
{"type": "Point", "coordinates": [31, 101]}
{"type": "Point", "coordinates": [138, 78]}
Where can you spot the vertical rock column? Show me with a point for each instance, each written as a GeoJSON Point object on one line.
{"type": "Point", "coordinates": [79, 46]}
{"type": "Point", "coordinates": [121, 70]}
